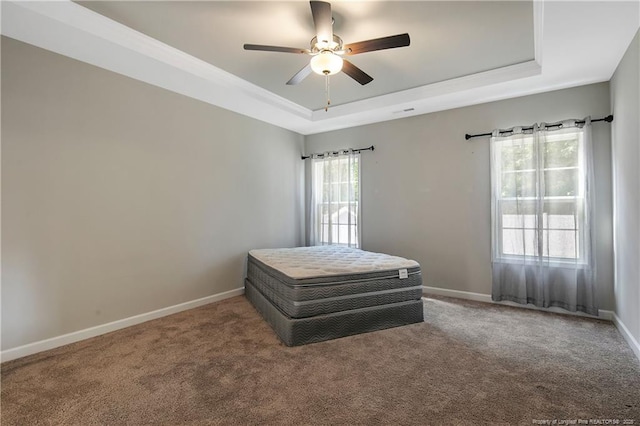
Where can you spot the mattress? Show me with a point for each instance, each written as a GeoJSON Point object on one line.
{"type": "Point", "coordinates": [317, 264]}
{"type": "Point", "coordinates": [310, 281]}
{"type": "Point", "coordinates": [294, 332]}
{"type": "Point", "coordinates": [311, 294]}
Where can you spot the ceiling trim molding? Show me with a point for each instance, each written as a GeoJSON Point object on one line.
{"type": "Point", "coordinates": [538, 27]}
{"type": "Point", "coordinates": [418, 95]}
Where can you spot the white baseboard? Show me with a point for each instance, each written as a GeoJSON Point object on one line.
{"type": "Point", "coordinates": [633, 343]}
{"type": "Point", "coordinates": [479, 297]}
{"type": "Point", "coordinates": [87, 333]}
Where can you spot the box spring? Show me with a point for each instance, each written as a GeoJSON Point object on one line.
{"type": "Point", "coordinates": [300, 331]}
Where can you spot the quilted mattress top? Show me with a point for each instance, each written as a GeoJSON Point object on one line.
{"type": "Point", "coordinates": [318, 261]}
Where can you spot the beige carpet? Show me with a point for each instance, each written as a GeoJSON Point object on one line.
{"type": "Point", "coordinates": [469, 363]}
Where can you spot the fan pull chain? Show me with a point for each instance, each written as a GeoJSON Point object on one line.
{"type": "Point", "coordinates": [326, 108]}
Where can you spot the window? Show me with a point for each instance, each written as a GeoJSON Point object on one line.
{"type": "Point", "coordinates": [335, 201]}
{"type": "Point", "coordinates": [539, 196]}
{"type": "Point", "coordinates": [542, 216]}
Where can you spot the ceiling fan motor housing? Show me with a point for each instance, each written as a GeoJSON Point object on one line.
{"type": "Point", "coordinates": [319, 46]}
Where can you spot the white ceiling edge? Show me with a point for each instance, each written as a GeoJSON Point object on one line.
{"type": "Point", "coordinates": [601, 32]}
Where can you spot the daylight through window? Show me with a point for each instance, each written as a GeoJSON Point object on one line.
{"type": "Point", "coordinates": [539, 196]}
{"type": "Point", "coordinates": [336, 193]}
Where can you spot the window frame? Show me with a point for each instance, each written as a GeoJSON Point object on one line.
{"type": "Point", "coordinates": [319, 203]}
{"type": "Point", "coordinates": [499, 255]}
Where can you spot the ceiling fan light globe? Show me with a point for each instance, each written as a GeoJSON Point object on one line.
{"type": "Point", "coordinates": [326, 63]}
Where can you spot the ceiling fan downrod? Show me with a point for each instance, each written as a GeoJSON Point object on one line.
{"type": "Point", "coordinates": [326, 89]}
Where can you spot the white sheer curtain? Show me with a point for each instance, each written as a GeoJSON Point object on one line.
{"type": "Point", "coordinates": [335, 199]}
{"type": "Point", "coordinates": [542, 216]}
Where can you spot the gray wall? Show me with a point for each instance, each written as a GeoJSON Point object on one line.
{"type": "Point", "coordinates": [426, 190]}
{"type": "Point", "coordinates": [625, 103]}
{"type": "Point", "coordinates": [119, 198]}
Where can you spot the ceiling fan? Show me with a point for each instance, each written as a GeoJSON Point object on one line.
{"type": "Point", "coordinates": [327, 49]}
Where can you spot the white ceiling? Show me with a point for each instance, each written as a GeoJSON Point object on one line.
{"type": "Point", "coordinates": [448, 40]}
{"type": "Point", "coordinates": [483, 51]}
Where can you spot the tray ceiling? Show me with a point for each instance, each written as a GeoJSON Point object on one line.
{"type": "Point", "coordinates": [448, 40]}
{"type": "Point", "coordinates": [462, 53]}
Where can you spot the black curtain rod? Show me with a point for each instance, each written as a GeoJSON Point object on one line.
{"type": "Point", "coordinates": [608, 119]}
{"type": "Point", "coordinates": [371, 148]}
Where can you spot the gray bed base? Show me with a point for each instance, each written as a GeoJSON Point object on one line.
{"type": "Point", "coordinates": [300, 331]}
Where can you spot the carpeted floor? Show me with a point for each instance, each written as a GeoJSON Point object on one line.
{"type": "Point", "coordinates": [469, 363]}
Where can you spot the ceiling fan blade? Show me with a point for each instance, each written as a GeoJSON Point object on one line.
{"type": "Point", "coordinates": [356, 73]}
{"type": "Point", "coordinates": [274, 48]}
{"type": "Point", "coordinates": [300, 75]}
{"type": "Point", "coordinates": [322, 20]}
{"type": "Point", "coordinates": [390, 42]}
